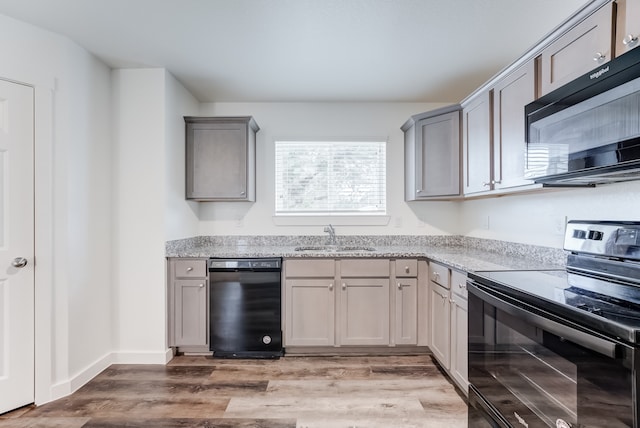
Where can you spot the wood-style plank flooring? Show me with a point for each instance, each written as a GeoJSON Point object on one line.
{"type": "Point", "coordinates": [302, 392]}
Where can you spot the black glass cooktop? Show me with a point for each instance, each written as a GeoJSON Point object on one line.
{"type": "Point", "coordinates": [607, 307]}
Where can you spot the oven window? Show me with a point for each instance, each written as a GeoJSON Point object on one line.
{"type": "Point", "coordinates": [537, 379]}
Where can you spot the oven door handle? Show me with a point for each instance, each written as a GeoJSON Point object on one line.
{"type": "Point", "coordinates": [586, 340]}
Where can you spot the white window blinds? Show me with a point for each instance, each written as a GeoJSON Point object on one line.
{"type": "Point", "coordinates": [330, 177]}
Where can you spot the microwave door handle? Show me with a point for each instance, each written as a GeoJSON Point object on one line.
{"type": "Point", "coordinates": [586, 340]}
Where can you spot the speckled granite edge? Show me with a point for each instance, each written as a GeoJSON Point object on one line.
{"type": "Point", "coordinates": [397, 244]}
{"type": "Point", "coordinates": [554, 256]}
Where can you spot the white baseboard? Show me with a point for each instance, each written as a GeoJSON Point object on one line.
{"type": "Point", "coordinates": [62, 389]}
{"type": "Point", "coordinates": [143, 357]}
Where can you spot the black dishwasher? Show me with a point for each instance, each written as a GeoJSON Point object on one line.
{"type": "Point", "coordinates": [245, 308]}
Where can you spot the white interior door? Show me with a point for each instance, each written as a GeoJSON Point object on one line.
{"type": "Point", "coordinates": [16, 246]}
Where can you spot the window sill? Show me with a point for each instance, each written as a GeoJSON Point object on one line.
{"type": "Point", "coordinates": [336, 220]}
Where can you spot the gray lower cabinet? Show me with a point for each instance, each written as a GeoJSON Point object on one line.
{"type": "Point", "coordinates": [188, 304]}
{"type": "Point", "coordinates": [364, 302]}
{"type": "Point", "coordinates": [350, 302]}
{"type": "Point", "coordinates": [220, 158]}
{"type": "Point", "coordinates": [309, 302]}
{"type": "Point", "coordinates": [448, 321]}
{"type": "Point", "coordinates": [432, 154]}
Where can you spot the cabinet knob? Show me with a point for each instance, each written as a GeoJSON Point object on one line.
{"type": "Point", "coordinates": [331, 287]}
{"type": "Point", "coordinates": [630, 40]}
{"type": "Point", "coordinates": [419, 190]}
{"type": "Point", "coordinates": [344, 286]}
{"type": "Point", "coordinates": [599, 56]}
{"type": "Point", "coordinates": [242, 193]}
{"type": "Point", "coordinates": [189, 269]}
{"type": "Point", "coordinates": [406, 269]}
{"type": "Point", "coordinates": [462, 286]}
{"type": "Point", "coordinates": [436, 276]}
{"type": "Point", "coordinates": [496, 181]}
{"type": "Point", "coordinates": [201, 285]}
{"type": "Point", "coordinates": [399, 286]}
{"type": "Point", "coordinates": [486, 184]}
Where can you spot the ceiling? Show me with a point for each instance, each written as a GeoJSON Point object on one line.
{"type": "Point", "coordinates": [307, 50]}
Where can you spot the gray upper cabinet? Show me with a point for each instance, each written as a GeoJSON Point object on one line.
{"type": "Point", "coordinates": [583, 48]}
{"type": "Point", "coordinates": [476, 130]}
{"type": "Point", "coordinates": [220, 155]}
{"type": "Point", "coordinates": [627, 25]}
{"type": "Point", "coordinates": [510, 95]}
{"type": "Point", "coordinates": [432, 155]}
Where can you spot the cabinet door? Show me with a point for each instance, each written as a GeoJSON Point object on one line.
{"type": "Point", "coordinates": [459, 337]}
{"type": "Point", "coordinates": [437, 156]}
{"type": "Point", "coordinates": [583, 48]}
{"type": "Point", "coordinates": [440, 324]}
{"type": "Point", "coordinates": [406, 311]}
{"type": "Point", "coordinates": [364, 311]}
{"type": "Point", "coordinates": [476, 127]}
{"type": "Point", "coordinates": [220, 160]}
{"type": "Point", "coordinates": [627, 25]}
{"type": "Point", "coordinates": [191, 318]}
{"type": "Point", "coordinates": [509, 148]}
{"type": "Point", "coordinates": [309, 312]}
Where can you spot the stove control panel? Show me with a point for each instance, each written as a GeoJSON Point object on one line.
{"type": "Point", "coordinates": [604, 238]}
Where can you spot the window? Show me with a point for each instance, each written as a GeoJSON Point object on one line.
{"type": "Point", "coordinates": [330, 177]}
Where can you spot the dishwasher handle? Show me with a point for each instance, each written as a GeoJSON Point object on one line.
{"type": "Point", "coordinates": [250, 265]}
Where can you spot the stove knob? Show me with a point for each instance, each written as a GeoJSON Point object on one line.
{"type": "Point", "coordinates": [266, 340]}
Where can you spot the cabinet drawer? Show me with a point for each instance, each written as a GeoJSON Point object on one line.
{"type": "Point", "coordinates": [459, 283]}
{"type": "Point", "coordinates": [365, 268]}
{"type": "Point", "coordinates": [406, 268]}
{"type": "Point", "coordinates": [439, 274]}
{"type": "Point", "coordinates": [320, 268]}
{"type": "Point", "coordinates": [190, 268]}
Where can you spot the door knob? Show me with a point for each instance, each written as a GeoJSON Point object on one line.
{"type": "Point", "coordinates": [19, 262]}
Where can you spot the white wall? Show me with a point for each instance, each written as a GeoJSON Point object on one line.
{"type": "Point", "coordinates": [148, 205]}
{"type": "Point", "coordinates": [538, 219]}
{"type": "Point", "coordinates": [325, 120]}
{"type": "Point", "coordinates": [138, 212]}
{"type": "Point", "coordinates": [181, 216]}
{"type": "Point", "coordinates": [73, 188]}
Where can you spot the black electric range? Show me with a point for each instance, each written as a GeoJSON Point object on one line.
{"type": "Point", "coordinates": [560, 348]}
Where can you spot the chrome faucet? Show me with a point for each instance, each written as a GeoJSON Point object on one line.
{"type": "Point", "coordinates": [332, 235]}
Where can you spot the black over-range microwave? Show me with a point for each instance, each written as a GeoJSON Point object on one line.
{"type": "Point", "coordinates": [587, 132]}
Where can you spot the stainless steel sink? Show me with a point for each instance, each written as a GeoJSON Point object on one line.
{"type": "Point", "coordinates": [334, 248]}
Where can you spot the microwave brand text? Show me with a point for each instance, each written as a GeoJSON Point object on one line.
{"type": "Point", "coordinates": [599, 73]}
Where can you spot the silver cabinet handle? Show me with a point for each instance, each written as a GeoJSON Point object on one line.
{"type": "Point", "coordinates": [189, 269]}
{"type": "Point", "coordinates": [599, 56]}
{"type": "Point", "coordinates": [486, 184]}
{"type": "Point", "coordinates": [19, 262]}
{"type": "Point", "coordinates": [630, 40]}
{"type": "Point", "coordinates": [344, 286]}
{"type": "Point", "coordinates": [331, 287]}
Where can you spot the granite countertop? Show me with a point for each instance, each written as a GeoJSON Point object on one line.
{"type": "Point", "coordinates": [469, 255]}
